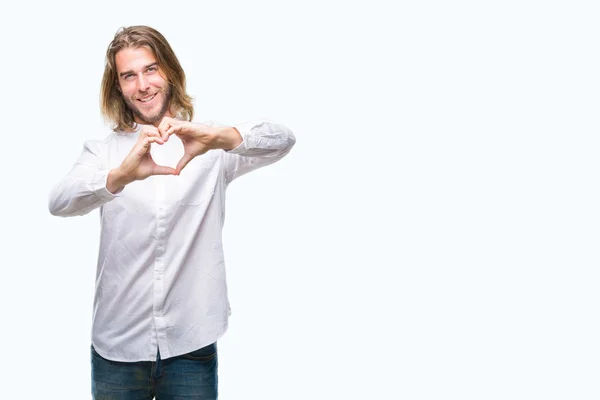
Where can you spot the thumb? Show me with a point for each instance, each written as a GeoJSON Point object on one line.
{"type": "Point", "coordinates": [183, 162]}
{"type": "Point", "coordinates": [162, 170]}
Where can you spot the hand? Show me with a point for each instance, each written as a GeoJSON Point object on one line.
{"type": "Point", "coordinates": [197, 139]}
{"type": "Point", "coordinates": [138, 164]}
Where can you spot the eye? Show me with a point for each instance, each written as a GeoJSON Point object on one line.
{"type": "Point", "coordinates": [128, 77]}
{"type": "Point", "coordinates": [151, 70]}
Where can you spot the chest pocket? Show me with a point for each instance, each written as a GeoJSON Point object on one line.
{"type": "Point", "coordinates": [197, 181]}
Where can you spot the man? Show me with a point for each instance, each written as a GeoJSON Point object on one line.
{"type": "Point", "coordinates": [161, 297]}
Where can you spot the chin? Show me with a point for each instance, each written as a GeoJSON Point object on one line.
{"type": "Point", "coordinates": [150, 118]}
{"type": "Point", "coordinates": [155, 115]}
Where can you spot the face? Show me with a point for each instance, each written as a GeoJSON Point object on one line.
{"type": "Point", "coordinates": [145, 90]}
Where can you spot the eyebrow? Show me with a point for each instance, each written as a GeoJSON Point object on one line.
{"type": "Point", "coordinates": [122, 74]}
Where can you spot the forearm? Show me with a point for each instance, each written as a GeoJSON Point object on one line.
{"type": "Point", "coordinates": [264, 140]}
{"type": "Point", "coordinates": [227, 138]}
{"type": "Point", "coordinates": [263, 143]}
{"type": "Point", "coordinates": [116, 181]}
{"type": "Point", "coordinates": [79, 193]}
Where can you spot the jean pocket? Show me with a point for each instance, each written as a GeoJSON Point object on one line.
{"type": "Point", "coordinates": [206, 353]}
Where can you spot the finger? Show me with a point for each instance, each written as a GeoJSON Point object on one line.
{"type": "Point", "coordinates": [152, 131]}
{"type": "Point", "coordinates": [173, 129]}
{"type": "Point", "coordinates": [149, 140]}
{"type": "Point", "coordinates": [155, 139]}
{"type": "Point", "coordinates": [164, 125]}
{"type": "Point", "coordinates": [183, 162]}
{"type": "Point", "coordinates": [162, 128]}
{"type": "Point", "coordinates": [183, 129]}
{"type": "Point", "coordinates": [148, 132]}
{"type": "Point", "coordinates": [162, 170]}
{"type": "Point", "coordinates": [165, 120]}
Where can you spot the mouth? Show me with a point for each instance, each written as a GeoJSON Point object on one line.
{"type": "Point", "coordinates": [146, 99]}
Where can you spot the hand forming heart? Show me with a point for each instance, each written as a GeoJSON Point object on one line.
{"type": "Point", "coordinates": [197, 139]}
{"type": "Point", "coordinates": [139, 164]}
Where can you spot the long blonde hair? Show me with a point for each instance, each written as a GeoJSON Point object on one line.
{"type": "Point", "coordinates": [113, 105]}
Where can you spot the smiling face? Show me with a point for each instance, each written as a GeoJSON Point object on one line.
{"type": "Point", "coordinates": [143, 86]}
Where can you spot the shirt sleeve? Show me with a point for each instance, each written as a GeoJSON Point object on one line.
{"type": "Point", "coordinates": [263, 143]}
{"type": "Point", "coordinates": [84, 187]}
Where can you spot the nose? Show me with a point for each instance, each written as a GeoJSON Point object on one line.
{"type": "Point", "coordinates": [143, 84]}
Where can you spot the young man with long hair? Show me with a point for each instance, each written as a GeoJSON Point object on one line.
{"type": "Point", "coordinates": [160, 302]}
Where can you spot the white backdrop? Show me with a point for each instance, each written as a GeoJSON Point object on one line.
{"type": "Point", "coordinates": [433, 235]}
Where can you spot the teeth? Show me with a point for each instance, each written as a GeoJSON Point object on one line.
{"type": "Point", "coordinates": [146, 99]}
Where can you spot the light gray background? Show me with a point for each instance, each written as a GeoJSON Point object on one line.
{"type": "Point", "coordinates": [433, 235]}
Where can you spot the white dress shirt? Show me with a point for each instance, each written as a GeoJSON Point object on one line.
{"type": "Point", "coordinates": [160, 278]}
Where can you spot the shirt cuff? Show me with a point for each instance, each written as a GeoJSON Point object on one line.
{"type": "Point", "coordinates": [98, 186]}
{"type": "Point", "coordinates": [245, 129]}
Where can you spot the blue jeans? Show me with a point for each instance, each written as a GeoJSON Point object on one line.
{"type": "Point", "coordinates": [189, 376]}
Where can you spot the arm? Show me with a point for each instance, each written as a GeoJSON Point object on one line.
{"type": "Point", "coordinates": [84, 188]}
{"type": "Point", "coordinates": [263, 143]}
{"type": "Point", "coordinates": [90, 183]}
{"type": "Point", "coordinates": [247, 146]}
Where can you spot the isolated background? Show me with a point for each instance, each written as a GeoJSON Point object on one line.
{"type": "Point", "coordinates": [433, 235]}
